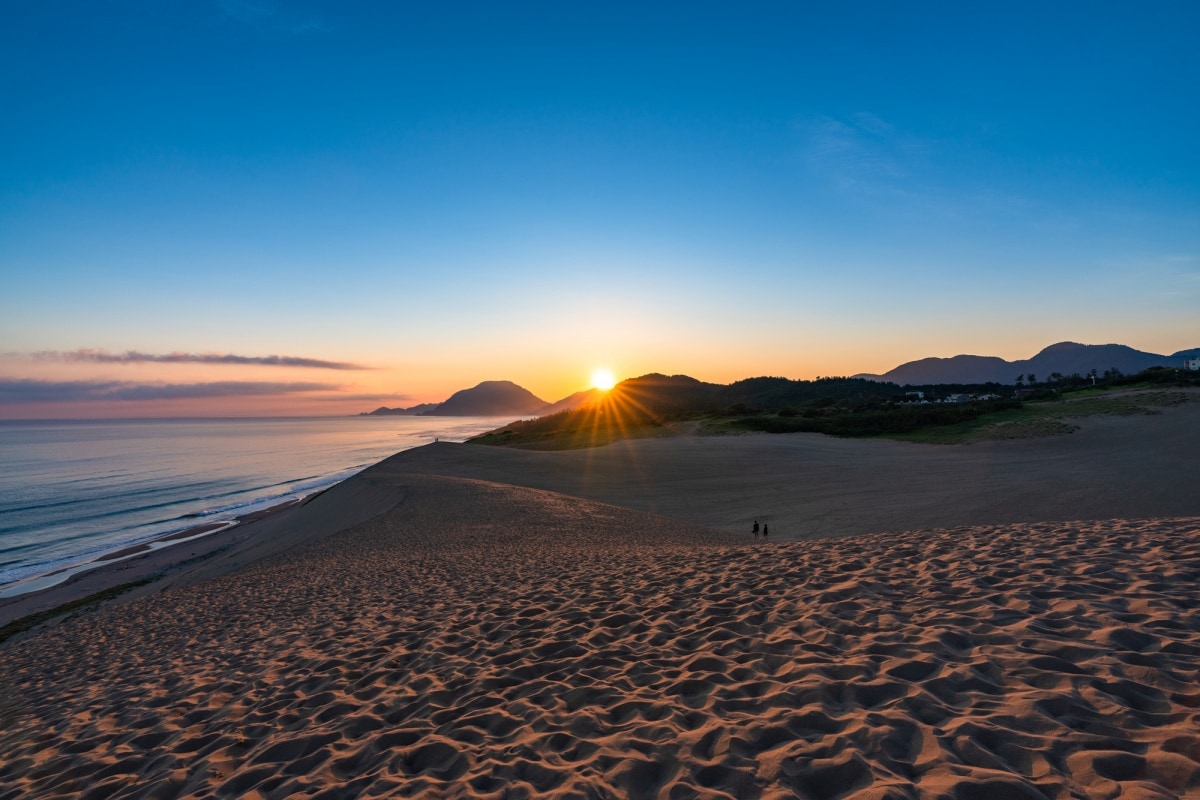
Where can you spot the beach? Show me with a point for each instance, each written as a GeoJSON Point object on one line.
{"type": "Point", "coordinates": [75, 491]}
{"type": "Point", "coordinates": [1016, 619]}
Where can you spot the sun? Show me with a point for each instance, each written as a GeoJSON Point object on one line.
{"type": "Point", "coordinates": [603, 379]}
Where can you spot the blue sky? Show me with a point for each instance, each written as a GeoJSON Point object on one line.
{"type": "Point", "coordinates": [453, 192]}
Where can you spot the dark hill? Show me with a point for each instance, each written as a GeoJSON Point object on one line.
{"type": "Point", "coordinates": [958, 369]}
{"type": "Point", "coordinates": [1068, 358]}
{"type": "Point", "coordinates": [411, 411]}
{"type": "Point", "coordinates": [668, 395]}
{"type": "Point", "coordinates": [490, 399]}
{"type": "Point", "coordinates": [657, 395]}
{"type": "Point", "coordinates": [1065, 358]}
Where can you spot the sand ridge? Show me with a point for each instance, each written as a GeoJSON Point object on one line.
{"type": "Point", "coordinates": [480, 640]}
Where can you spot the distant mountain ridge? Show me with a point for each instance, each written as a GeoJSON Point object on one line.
{"type": "Point", "coordinates": [412, 411]}
{"type": "Point", "coordinates": [1065, 358]}
{"type": "Point", "coordinates": [490, 399]}
{"type": "Point", "coordinates": [666, 394]}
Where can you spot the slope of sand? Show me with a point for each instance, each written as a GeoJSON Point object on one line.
{"type": "Point", "coordinates": [479, 640]}
{"type": "Point", "coordinates": [809, 485]}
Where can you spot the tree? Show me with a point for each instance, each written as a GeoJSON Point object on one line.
{"type": "Point", "coordinates": [1021, 379]}
{"type": "Point", "coordinates": [1032, 379]}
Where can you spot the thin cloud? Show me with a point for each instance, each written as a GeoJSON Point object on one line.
{"type": "Point", "coordinates": [26, 390]}
{"type": "Point", "coordinates": [136, 357]}
{"type": "Point", "coordinates": [862, 153]}
{"type": "Point", "coordinates": [865, 157]}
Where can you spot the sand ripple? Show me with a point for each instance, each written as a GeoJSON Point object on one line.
{"type": "Point", "coordinates": [485, 641]}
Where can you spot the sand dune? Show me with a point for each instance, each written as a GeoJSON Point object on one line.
{"type": "Point", "coordinates": [810, 485]}
{"type": "Point", "coordinates": [480, 640]}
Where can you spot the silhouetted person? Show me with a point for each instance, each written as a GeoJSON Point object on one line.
{"type": "Point", "coordinates": [764, 530]}
{"type": "Point", "coordinates": [755, 529]}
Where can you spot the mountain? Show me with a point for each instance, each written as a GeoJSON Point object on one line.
{"type": "Point", "coordinates": [490, 399]}
{"type": "Point", "coordinates": [1066, 358]}
{"type": "Point", "coordinates": [959, 369]}
{"type": "Point", "coordinates": [656, 395]}
{"type": "Point", "coordinates": [384, 411]}
{"type": "Point", "coordinates": [573, 402]}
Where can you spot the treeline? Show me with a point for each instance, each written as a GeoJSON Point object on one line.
{"type": "Point", "coordinates": [1167, 376]}
{"type": "Point", "coordinates": [1160, 376]}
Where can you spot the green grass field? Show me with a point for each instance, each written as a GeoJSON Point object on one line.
{"type": "Point", "coordinates": [1050, 418]}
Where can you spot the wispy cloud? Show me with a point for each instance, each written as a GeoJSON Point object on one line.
{"type": "Point", "coordinates": [25, 390]}
{"type": "Point", "coordinates": [135, 357]}
{"type": "Point", "coordinates": [871, 161]}
{"type": "Point", "coordinates": [862, 152]}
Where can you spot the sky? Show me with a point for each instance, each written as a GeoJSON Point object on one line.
{"type": "Point", "coordinates": [225, 207]}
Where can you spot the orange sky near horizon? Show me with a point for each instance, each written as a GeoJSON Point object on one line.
{"type": "Point", "coordinates": [79, 389]}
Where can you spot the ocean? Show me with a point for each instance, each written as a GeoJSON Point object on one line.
{"type": "Point", "coordinates": [71, 491]}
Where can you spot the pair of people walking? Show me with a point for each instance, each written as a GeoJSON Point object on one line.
{"type": "Point", "coordinates": [765, 531]}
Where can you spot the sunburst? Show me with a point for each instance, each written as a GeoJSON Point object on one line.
{"type": "Point", "coordinates": [603, 379]}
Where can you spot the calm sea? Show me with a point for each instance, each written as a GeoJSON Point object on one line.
{"type": "Point", "coordinates": [71, 491]}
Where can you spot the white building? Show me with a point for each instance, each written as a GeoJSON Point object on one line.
{"type": "Point", "coordinates": [1193, 363]}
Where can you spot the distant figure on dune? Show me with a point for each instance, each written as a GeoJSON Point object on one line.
{"type": "Point", "coordinates": [764, 531]}
{"type": "Point", "coordinates": [755, 529]}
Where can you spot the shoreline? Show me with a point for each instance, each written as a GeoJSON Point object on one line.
{"type": "Point", "coordinates": [289, 458]}
{"type": "Point", "coordinates": [142, 562]}
{"type": "Point", "coordinates": [39, 581]}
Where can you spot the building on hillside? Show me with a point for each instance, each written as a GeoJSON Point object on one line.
{"type": "Point", "coordinates": [1193, 363]}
